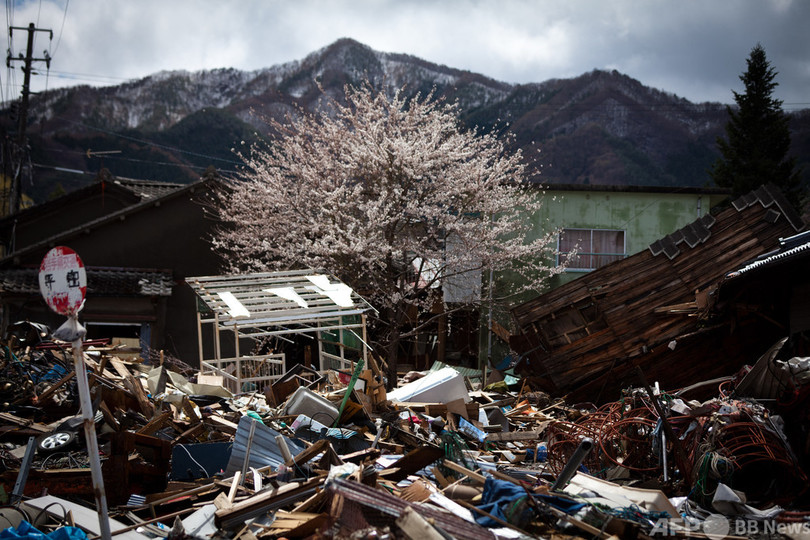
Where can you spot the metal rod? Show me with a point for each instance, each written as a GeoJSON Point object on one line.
{"type": "Point", "coordinates": [680, 454]}
{"type": "Point", "coordinates": [663, 440]}
{"type": "Point", "coordinates": [573, 464]}
{"type": "Point", "coordinates": [90, 439]}
{"type": "Point", "coordinates": [248, 447]}
{"type": "Point", "coordinates": [22, 474]}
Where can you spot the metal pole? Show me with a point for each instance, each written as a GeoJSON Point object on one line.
{"type": "Point", "coordinates": [570, 468]}
{"type": "Point", "coordinates": [90, 438]}
{"type": "Point", "coordinates": [489, 322]}
{"type": "Point", "coordinates": [22, 475]}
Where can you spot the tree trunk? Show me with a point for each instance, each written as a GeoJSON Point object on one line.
{"type": "Point", "coordinates": [393, 358]}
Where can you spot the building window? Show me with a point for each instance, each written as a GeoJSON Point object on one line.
{"type": "Point", "coordinates": [593, 248]}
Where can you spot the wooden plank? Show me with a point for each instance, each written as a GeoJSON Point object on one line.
{"type": "Point", "coordinates": [24, 422]}
{"type": "Point", "coordinates": [361, 455]}
{"type": "Point", "coordinates": [474, 476]}
{"type": "Point", "coordinates": [308, 453]}
{"type": "Point", "coordinates": [415, 460]}
{"type": "Point", "coordinates": [440, 409]}
{"type": "Point", "coordinates": [221, 424]}
{"type": "Point", "coordinates": [53, 388]}
{"type": "Point", "coordinates": [97, 368]}
{"type": "Point", "coordinates": [109, 417]}
{"type": "Point", "coordinates": [297, 526]}
{"type": "Point", "coordinates": [189, 433]}
{"type": "Point", "coordinates": [135, 386]}
{"type": "Point", "coordinates": [264, 501]}
{"type": "Point", "coordinates": [500, 331]}
{"type": "Point", "coordinates": [416, 527]}
{"type": "Point", "coordinates": [155, 424]}
{"type": "Point", "coordinates": [120, 368]}
{"type": "Point", "coordinates": [440, 479]}
{"type": "Point", "coordinates": [515, 436]}
{"type": "Point", "coordinates": [190, 411]}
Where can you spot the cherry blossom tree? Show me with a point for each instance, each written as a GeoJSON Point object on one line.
{"type": "Point", "coordinates": [392, 196]}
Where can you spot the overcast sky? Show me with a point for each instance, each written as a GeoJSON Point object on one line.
{"type": "Point", "coordinates": [693, 48]}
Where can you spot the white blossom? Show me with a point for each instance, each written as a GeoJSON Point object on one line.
{"type": "Point", "coordinates": [366, 188]}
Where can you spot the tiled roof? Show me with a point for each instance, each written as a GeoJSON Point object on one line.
{"type": "Point", "coordinates": [693, 234]}
{"type": "Point", "coordinates": [699, 231]}
{"type": "Point", "coordinates": [147, 189]}
{"type": "Point", "coordinates": [101, 281]}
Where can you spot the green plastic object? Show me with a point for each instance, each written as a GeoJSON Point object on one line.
{"type": "Point", "coordinates": [254, 414]}
{"type": "Point", "coordinates": [356, 375]}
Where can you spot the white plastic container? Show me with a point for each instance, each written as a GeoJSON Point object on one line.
{"type": "Point", "coordinates": [442, 386]}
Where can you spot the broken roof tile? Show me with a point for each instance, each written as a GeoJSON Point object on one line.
{"type": "Point", "coordinates": [656, 247]}
{"type": "Point", "coordinates": [764, 196]}
{"type": "Point", "coordinates": [670, 249]}
{"type": "Point", "coordinates": [707, 220]}
{"type": "Point", "coordinates": [771, 216]}
{"type": "Point", "coordinates": [690, 236]}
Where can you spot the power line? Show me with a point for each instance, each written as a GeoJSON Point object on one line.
{"type": "Point", "coordinates": [149, 143]}
{"type": "Point", "coordinates": [133, 160]}
{"type": "Point", "coordinates": [89, 77]}
{"type": "Point", "coordinates": [108, 158]}
{"type": "Point", "coordinates": [61, 29]}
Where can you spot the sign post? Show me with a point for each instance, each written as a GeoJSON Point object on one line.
{"type": "Point", "coordinates": [63, 284]}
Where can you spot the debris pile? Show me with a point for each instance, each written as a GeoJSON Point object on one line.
{"type": "Point", "coordinates": [333, 455]}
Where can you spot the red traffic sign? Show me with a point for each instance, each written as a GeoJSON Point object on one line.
{"type": "Point", "coordinates": [63, 280]}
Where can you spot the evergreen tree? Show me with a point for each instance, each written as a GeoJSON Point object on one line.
{"type": "Point", "coordinates": [757, 141]}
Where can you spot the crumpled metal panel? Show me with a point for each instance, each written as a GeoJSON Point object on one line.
{"type": "Point", "coordinates": [264, 449]}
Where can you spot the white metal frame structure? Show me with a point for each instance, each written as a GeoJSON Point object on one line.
{"type": "Point", "coordinates": [276, 304]}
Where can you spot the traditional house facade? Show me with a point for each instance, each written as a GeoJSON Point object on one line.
{"type": "Point", "coordinates": [138, 240]}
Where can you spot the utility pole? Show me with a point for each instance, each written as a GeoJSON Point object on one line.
{"type": "Point", "coordinates": [18, 147]}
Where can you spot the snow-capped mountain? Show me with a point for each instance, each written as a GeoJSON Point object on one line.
{"type": "Point", "coordinates": [599, 128]}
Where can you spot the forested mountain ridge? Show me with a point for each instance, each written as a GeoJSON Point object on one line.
{"type": "Point", "coordinates": [600, 128]}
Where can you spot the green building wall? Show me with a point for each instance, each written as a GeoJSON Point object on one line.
{"type": "Point", "coordinates": [645, 214]}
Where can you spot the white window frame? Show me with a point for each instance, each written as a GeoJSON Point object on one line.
{"type": "Point", "coordinates": [588, 250]}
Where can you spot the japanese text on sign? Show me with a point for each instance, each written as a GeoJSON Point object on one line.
{"type": "Point", "coordinates": [63, 281]}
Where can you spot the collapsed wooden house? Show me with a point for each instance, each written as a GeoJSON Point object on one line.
{"type": "Point", "coordinates": [586, 338]}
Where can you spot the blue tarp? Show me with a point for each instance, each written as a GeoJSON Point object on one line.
{"type": "Point", "coordinates": [507, 501]}
{"type": "Point", "coordinates": [26, 531]}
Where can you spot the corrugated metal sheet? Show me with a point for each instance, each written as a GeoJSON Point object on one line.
{"type": "Point", "coordinates": [797, 250]}
{"type": "Point", "coordinates": [264, 449]}
{"type": "Point", "coordinates": [293, 301]}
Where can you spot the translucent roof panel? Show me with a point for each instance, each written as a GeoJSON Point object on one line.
{"type": "Point", "coordinates": [296, 298]}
